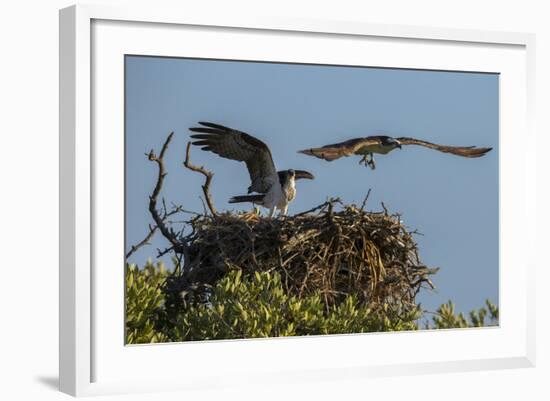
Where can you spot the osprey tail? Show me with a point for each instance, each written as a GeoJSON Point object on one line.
{"type": "Point", "coordinates": [247, 198]}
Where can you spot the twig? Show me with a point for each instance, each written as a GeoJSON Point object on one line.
{"type": "Point", "coordinates": [144, 241]}
{"type": "Point", "coordinates": [208, 179]}
{"type": "Point", "coordinates": [365, 200]}
{"type": "Point", "coordinates": [321, 206]}
{"type": "Point", "coordinates": [152, 229]}
{"type": "Point", "coordinates": [164, 252]}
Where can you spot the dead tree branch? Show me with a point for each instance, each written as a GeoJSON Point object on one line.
{"type": "Point", "coordinates": [143, 242]}
{"type": "Point", "coordinates": [208, 179]}
{"type": "Point", "coordinates": [152, 229]}
{"type": "Point", "coordinates": [177, 245]}
{"type": "Point", "coordinates": [365, 200]}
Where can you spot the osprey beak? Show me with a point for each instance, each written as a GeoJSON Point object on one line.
{"type": "Point", "coordinates": [303, 174]}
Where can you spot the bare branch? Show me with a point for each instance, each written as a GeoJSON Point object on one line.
{"type": "Point", "coordinates": [365, 200]}
{"type": "Point", "coordinates": [178, 246]}
{"type": "Point", "coordinates": [152, 229]}
{"type": "Point", "coordinates": [208, 179]}
{"type": "Point", "coordinates": [385, 209]}
{"type": "Point", "coordinates": [143, 242]}
{"type": "Point", "coordinates": [164, 252]}
{"type": "Point", "coordinates": [321, 207]}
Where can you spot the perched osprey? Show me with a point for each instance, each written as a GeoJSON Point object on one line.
{"type": "Point", "coordinates": [274, 189]}
{"type": "Point", "coordinates": [383, 145]}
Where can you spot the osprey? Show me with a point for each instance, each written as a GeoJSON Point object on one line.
{"type": "Point", "coordinates": [383, 145]}
{"type": "Point", "coordinates": [274, 189]}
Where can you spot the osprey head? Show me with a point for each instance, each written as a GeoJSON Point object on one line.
{"type": "Point", "coordinates": [390, 142]}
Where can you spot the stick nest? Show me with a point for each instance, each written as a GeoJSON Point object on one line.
{"type": "Point", "coordinates": [333, 249]}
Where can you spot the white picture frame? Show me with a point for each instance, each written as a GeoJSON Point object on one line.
{"type": "Point", "coordinates": [90, 365]}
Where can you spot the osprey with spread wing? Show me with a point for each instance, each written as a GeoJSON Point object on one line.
{"type": "Point", "coordinates": [274, 189]}
{"type": "Point", "coordinates": [382, 145]}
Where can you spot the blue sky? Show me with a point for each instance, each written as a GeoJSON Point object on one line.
{"type": "Point", "coordinates": [452, 201]}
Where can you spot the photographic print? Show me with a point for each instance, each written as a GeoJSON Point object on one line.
{"type": "Point", "coordinates": [271, 199]}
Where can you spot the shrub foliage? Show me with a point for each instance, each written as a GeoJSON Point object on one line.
{"type": "Point", "coordinates": [252, 305]}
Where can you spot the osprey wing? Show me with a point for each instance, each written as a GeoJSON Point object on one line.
{"type": "Point", "coordinates": [236, 145]}
{"type": "Point", "coordinates": [464, 151]}
{"type": "Point", "coordinates": [341, 149]}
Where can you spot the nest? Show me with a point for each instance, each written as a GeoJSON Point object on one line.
{"type": "Point", "coordinates": [335, 250]}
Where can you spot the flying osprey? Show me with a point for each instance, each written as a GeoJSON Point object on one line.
{"type": "Point", "coordinates": [383, 145]}
{"type": "Point", "coordinates": [274, 189]}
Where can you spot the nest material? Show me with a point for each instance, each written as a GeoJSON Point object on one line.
{"type": "Point", "coordinates": [336, 253]}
